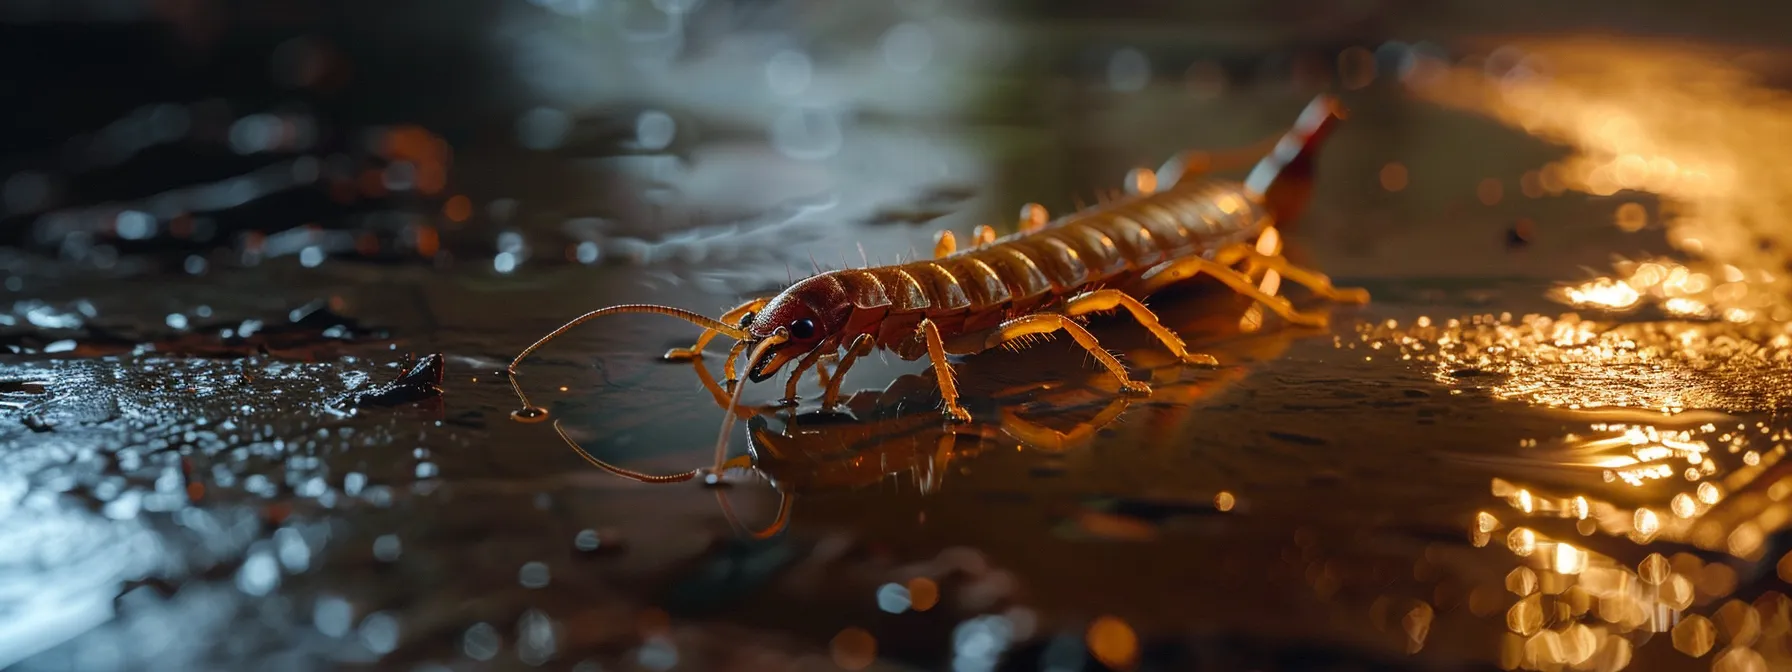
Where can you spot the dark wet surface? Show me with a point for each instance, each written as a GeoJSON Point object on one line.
{"type": "Point", "coordinates": [277, 435]}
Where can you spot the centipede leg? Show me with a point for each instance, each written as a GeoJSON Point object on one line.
{"type": "Point", "coordinates": [860, 347]}
{"type": "Point", "coordinates": [1178, 270]}
{"type": "Point", "coordinates": [1108, 299]}
{"type": "Point", "coordinates": [1033, 217]}
{"type": "Point", "coordinates": [944, 244]}
{"type": "Point", "coordinates": [1312, 280]}
{"type": "Point", "coordinates": [936, 351]}
{"type": "Point", "coordinates": [728, 364]}
{"type": "Point", "coordinates": [731, 317]}
{"type": "Point", "coordinates": [1045, 323]}
{"type": "Point", "coordinates": [796, 374]}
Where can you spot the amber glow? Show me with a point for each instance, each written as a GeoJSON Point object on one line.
{"type": "Point", "coordinates": [854, 649]}
{"type": "Point", "coordinates": [1490, 191]}
{"type": "Point", "coordinates": [458, 208]}
{"type": "Point", "coordinates": [1393, 176]}
{"type": "Point", "coordinates": [1224, 501]}
{"type": "Point", "coordinates": [1573, 363]}
{"type": "Point", "coordinates": [1113, 642]}
{"type": "Point", "coordinates": [923, 593]}
{"type": "Point", "coordinates": [1678, 122]}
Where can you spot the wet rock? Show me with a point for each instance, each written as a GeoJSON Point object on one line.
{"type": "Point", "coordinates": [421, 382]}
{"type": "Point", "coordinates": [37, 423]}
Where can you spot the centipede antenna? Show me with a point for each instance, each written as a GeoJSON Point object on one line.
{"type": "Point", "coordinates": [536, 413]}
{"type": "Point", "coordinates": [777, 337]}
{"type": "Point", "coordinates": [619, 471]}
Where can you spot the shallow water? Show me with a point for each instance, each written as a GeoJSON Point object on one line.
{"type": "Point", "coordinates": [247, 461]}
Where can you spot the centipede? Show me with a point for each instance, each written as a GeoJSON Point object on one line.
{"type": "Point", "coordinates": [1047, 277]}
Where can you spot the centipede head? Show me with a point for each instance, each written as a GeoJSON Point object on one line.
{"type": "Point", "coordinates": [813, 312]}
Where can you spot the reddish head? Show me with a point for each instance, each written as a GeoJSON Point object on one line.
{"type": "Point", "coordinates": [812, 313]}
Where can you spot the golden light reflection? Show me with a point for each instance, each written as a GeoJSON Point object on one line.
{"type": "Point", "coordinates": [1571, 604]}
{"type": "Point", "coordinates": [1574, 363]}
{"type": "Point", "coordinates": [1695, 635]}
{"type": "Point", "coordinates": [1683, 123]}
{"type": "Point", "coordinates": [1224, 501]}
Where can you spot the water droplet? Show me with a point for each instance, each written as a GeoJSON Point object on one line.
{"type": "Point", "coordinates": [1654, 570]}
{"type": "Point", "coordinates": [587, 540]}
{"type": "Point", "coordinates": [536, 642]}
{"type": "Point", "coordinates": [1521, 581]}
{"type": "Point", "coordinates": [1522, 541]}
{"type": "Point", "coordinates": [1129, 70]}
{"type": "Point", "coordinates": [531, 414]}
{"type": "Point", "coordinates": [294, 553]}
{"type": "Point", "coordinates": [893, 598]}
{"type": "Point", "coordinates": [1709, 493]}
{"type": "Point", "coordinates": [379, 633]}
{"type": "Point", "coordinates": [1526, 617]}
{"type": "Point", "coordinates": [135, 225]}
{"type": "Point", "coordinates": [259, 574]}
{"type": "Point", "coordinates": [533, 575]}
{"type": "Point", "coordinates": [332, 615]}
{"type": "Point", "coordinates": [481, 642]}
{"type": "Point", "coordinates": [387, 548]}
{"type": "Point", "coordinates": [588, 253]}
{"type": "Point", "coordinates": [504, 262]}
{"type": "Point", "coordinates": [1684, 506]}
{"type": "Point", "coordinates": [788, 72]}
{"type": "Point", "coordinates": [1647, 523]}
{"type": "Point", "coordinates": [654, 130]}
{"type": "Point", "coordinates": [1739, 659]}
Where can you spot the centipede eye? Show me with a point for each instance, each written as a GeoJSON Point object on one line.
{"type": "Point", "coordinates": [803, 328]}
{"type": "Point", "coordinates": [747, 319]}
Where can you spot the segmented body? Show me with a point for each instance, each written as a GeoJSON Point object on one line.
{"type": "Point", "coordinates": [1032, 283]}
{"type": "Point", "coordinates": [1027, 272]}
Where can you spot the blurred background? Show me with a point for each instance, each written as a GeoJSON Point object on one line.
{"type": "Point", "coordinates": [692, 134]}
{"type": "Point", "coordinates": [218, 218]}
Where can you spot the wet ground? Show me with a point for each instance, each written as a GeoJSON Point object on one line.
{"type": "Point", "coordinates": [229, 443]}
